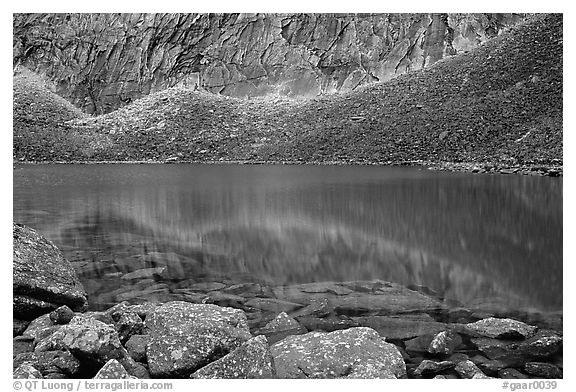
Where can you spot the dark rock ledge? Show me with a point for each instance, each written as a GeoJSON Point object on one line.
{"type": "Point", "coordinates": [366, 329]}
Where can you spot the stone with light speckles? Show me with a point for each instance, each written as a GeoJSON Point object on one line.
{"type": "Point", "coordinates": [357, 352]}
{"type": "Point", "coordinates": [26, 370]}
{"type": "Point", "coordinates": [86, 337]}
{"type": "Point", "coordinates": [500, 328]}
{"type": "Point", "coordinates": [251, 360]}
{"type": "Point", "coordinates": [185, 337]}
{"type": "Point", "coordinates": [112, 370]}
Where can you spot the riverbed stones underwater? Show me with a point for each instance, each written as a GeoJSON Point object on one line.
{"type": "Point", "coordinates": [363, 329]}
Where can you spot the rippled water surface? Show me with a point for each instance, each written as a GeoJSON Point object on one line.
{"type": "Point", "coordinates": [478, 239]}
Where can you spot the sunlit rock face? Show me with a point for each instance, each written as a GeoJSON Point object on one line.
{"type": "Point", "coordinates": [121, 57]}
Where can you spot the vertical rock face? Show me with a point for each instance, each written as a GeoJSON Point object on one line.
{"type": "Point", "coordinates": [102, 61]}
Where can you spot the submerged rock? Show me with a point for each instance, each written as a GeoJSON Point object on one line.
{"type": "Point", "coordinates": [251, 360]}
{"type": "Point", "coordinates": [352, 353]}
{"type": "Point", "coordinates": [401, 327]}
{"type": "Point", "coordinates": [42, 279]}
{"type": "Point", "coordinates": [185, 337]}
{"type": "Point", "coordinates": [366, 298]}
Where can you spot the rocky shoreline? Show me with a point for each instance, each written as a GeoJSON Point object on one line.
{"type": "Point", "coordinates": [362, 329]}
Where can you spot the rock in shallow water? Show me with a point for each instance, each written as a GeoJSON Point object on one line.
{"type": "Point", "coordinates": [405, 327]}
{"type": "Point", "coordinates": [281, 327]}
{"type": "Point", "coordinates": [498, 328]}
{"type": "Point", "coordinates": [251, 360]}
{"type": "Point", "coordinates": [42, 279]}
{"type": "Point", "coordinates": [185, 337]}
{"type": "Point", "coordinates": [352, 353]}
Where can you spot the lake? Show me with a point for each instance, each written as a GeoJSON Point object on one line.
{"type": "Point", "coordinates": [144, 231]}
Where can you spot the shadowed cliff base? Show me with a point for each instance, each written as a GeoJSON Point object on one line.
{"type": "Point", "coordinates": [499, 105]}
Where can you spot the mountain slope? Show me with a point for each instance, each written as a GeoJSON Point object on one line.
{"type": "Point", "coordinates": [500, 103]}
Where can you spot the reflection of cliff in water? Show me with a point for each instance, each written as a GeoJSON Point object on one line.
{"type": "Point", "coordinates": [471, 238]}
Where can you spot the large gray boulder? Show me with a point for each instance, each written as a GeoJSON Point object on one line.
{"type": "Point", "coordinates": [352, 353]}
{"type": "Point", "coordinates": [251, 360]}
{"type": "Point", "coordinates": [43, 279]}
{"type": "Point", "coordinates": [185, 337]}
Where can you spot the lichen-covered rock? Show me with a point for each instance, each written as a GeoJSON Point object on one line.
{"type": "Point", "coordinates": [26, 370]}
{"type": "Point", "coordinates": [351, 353]}
{"type": "Point", "coordinates": [136, 347]}
{"type": "Point", "coordinates": [500, 328]}
{"type": "Point", "coordinates": [50, 362]}
{"type": "Point", "coordinates": [544, 344]}
{"type": "Point", "coordinates": [42, 278]}
{"type": "Point", "coordinates": [445, 342]}
{"type": "Point", "coordinates": [428, 367]}
{"type": "Point", "coordinates": [86, 338]}
{"type": "Point", "coordinates": [251, 360]}
{"type": "Point", "coordinates": [467, 369]}
{"type": "Point", "coordinates": [185, 337]}
{"type": "Point", "coordinates": [62, 315]}
{"type": "Point", "coordinates": [281, 326]}
{"type": "Point", "coordinates": [543, 370]}
{"type": "Point", "coordinates": [41, 327]}
{"type": "Point", "coordinates": [113, 369]}
{"type": "Point", "coordinates": [126, 321]}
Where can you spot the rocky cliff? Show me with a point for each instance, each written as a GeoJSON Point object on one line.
{"type": "Point", "coordinates": [102, 61]}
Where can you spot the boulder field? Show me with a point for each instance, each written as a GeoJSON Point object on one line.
{"type": "Point", "coordinates": [369, 329]}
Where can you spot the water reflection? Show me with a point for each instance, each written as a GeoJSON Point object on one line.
{"type": "Point", "coordinates": [473, 238]}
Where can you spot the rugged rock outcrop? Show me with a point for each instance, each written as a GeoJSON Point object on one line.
{"type": "Point", "coordinates": [43, 279]}
{"type": "Point", "coordinates": [184, 336]}
{"type": "Point", "coordinates": [101, 61]}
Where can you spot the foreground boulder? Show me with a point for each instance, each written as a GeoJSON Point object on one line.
{"type": "Point", "coordinates": [185, 337]}
{"type": "Point", "coordinates": [251, 360]}
{"type": "Point", "coordinates": [87, 339]}
{"type": "Point", "coordinates": [43, 279]}
{"type": "Point", "coordinates": [352, 353]}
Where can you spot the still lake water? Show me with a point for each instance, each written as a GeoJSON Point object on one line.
{"type": "Point", "coordinates": [490, 240]}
